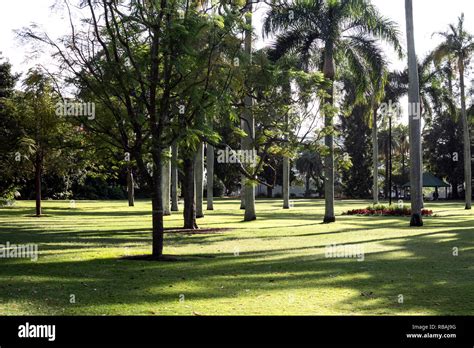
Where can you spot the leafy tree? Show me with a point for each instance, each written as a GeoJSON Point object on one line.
{"type": "Point", "coordinates": [310, 164]}
{"type": "Point", "coordinates": [443, 151]}
{"type": "Point", "coordinates": [9, 130]}
{"type": "Point", "coordinates": [458, 47]}
{"type": "Point", "coordinates": [151, 64]}
{"type": "Point", "coordinates": [357, 146]}
{"type": "Point", "coordinates": [48, 134]}
{"type": "Point", "coordinates": [326, 35]}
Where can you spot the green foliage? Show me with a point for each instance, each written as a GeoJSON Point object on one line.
{"type": "Point", "coordinates": [357, 146]}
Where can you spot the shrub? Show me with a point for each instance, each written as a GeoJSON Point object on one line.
{"type": "Point", "coordinates": [383, 210]}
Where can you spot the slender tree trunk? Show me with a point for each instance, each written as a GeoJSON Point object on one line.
{"type": "Point", "coordinates": [286, 183]}
{"type": "Point", "coordinates": [157, 206]}
{"type": "Point", "coordinates": [286, 160]}
{"type": "Point", "coordinates": [174, 177]}
{"type": "Point", "coordinates": [386, 190]}
{"type": "Point", "coordinates": [242, 189]}
{"type": "Point", "coordinates": [403, 164]}
{"type": "Point", "coordinates": [329, 73]}
{"type": "Point", "coordinates": [38, 175]}
{"type": "Point", "coordinates": [199, 178]}
{"type": "Point", "coordinates": [249, 128]}
{"type": "Point", "coordinates": [210, 176]}
{"type": "Point", "coordinates": [375, 160]}
{"type": "Point", "coordinates": [130, 187]}
{"type": "Point", "coordinates": [165, 182]}
{"type": "Point", "coordinates": [307, 188]}
{"type": "Point", "coordinates": [414, 122]}
{"type": "Point", "coordinates": [269, 192]}
{"type": "Point", "coordinates": [466, 138]}
{"type": "Point", "coordinates": [189, 211]}
{"type": "Point", "coordinates": [454, 191]}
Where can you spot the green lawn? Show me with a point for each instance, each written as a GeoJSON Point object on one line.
{"type": "Point", "coordinates": [275, 265]}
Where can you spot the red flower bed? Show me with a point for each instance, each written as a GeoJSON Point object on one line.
{"type": "Point", "coordinates": [387, 211]}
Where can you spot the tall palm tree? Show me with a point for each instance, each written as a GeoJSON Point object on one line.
{"type": "Point", "coordinates": [387, 142]}
{"type": "Point", "coordinates": [431, 93]}
{"type": "Point", "coordinates": [328, 34]}
{"type": "Point", "coordinates": [310, 165]}
{"type": "Point", "coordinates": [198, 180]}
{"type": "Point", "coordinates": [402, 145]}
{"type": "Point", "coordinates": [166, 184]}
{"type": "Point", "coordinates": [377, 94]}
{"type": "Point", "coordinates": [248, 126]}
{"type": "Point", "coordinates": [414, 122]}
{"type": "Point", "coordinates": [458, 47]}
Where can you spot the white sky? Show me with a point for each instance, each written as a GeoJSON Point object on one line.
{"type": "Point", "coordinates": [429, 15]}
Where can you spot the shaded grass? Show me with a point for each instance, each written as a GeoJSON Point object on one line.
{"type": "Point", "coordinates": [274, 265]}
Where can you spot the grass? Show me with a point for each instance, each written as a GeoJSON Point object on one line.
{"type": "Point", "coordinates": [272, 266]}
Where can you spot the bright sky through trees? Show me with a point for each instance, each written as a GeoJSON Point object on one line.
{"type": "Point", "coordinates": [431, 16]}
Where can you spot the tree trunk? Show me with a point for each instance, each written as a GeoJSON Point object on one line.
{"type": "Point", "coordinates": [386, 190]}
{"type": "Point", "coordinates": [286, 160]}
{"type": "Point", "coordinates": [210, 176]}
{"type": "Point", "coordinates": [454, 191]}
{"type": "Point", "coordinates": [130, 187]}
{"type": "Point", "coordinates": [414, 122]}
{"type": "Point", "coordinates": [308, 188]}
{"type": "Point", "coordinates": [286, 183]}
{"type": "Point", "coordinates": [38, 174]}
{"type": "Point", "coordinates": [189, 211]}
{"type": "Point", "coordinates": [249, 128]}
{"type": "Point", "coordinates": [174, 177]}
{"type": "Point", "coordinates": [466, 138]}
{"type": "Point", "coordinates": [199, 178]}
{"type": "Point", "coordinates": [157, 206]}
{"type": "Point", "coordinates": [375, 160]}
{"type": "Point", "coordinates": [269, 192]}
{"type": "Point", "coordinates": [165, 182]}
{"type": "Point", "coordinates": [329, 73]}
{"type": "Point", "coordinates": [242, 189]}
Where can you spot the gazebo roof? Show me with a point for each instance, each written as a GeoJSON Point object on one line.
{"type": "Point", "coordinates": [429, 180]}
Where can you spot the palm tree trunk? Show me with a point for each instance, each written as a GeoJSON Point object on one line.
{"type": "Point", "coordinates": [286, 182]}
{"type": "Point", "coordinates": [286, 160]}
{"type": "Point", "coordinates": [414, 122]}
{"type": "Point", "coordinates": [386, 172]}
{"type": "Point", "coordinates": [329, 73]}
{"type": "Point", "coordinates": [210, 176]}
{"type": "Point", "coordinates": [157, 206]}
{"type": "Point", "coordinates": [466, 138]}
{"type": "Point", "coordinates": [249, 128]}
{"type": "Point", "coordinates": [375, 159]}
{"type": "Point", "coordinates": [165, 185]}
{"type": "Point", "coordinates": [242, 189]}
{"type": "Point", "coordinates": [199, 178]}
{"type": "Point", "coordinates": [174, 177]}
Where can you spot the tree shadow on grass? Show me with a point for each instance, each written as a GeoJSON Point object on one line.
{"type": "Point", "coordinates": [431, 280]}
{"type": "Point", "coordinates": [427, 275]}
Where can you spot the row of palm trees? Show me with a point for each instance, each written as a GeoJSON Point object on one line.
{"type": "Point", "coordinates": [332, 36]}
{"type": "Point", "coordinates": [344, 36]}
